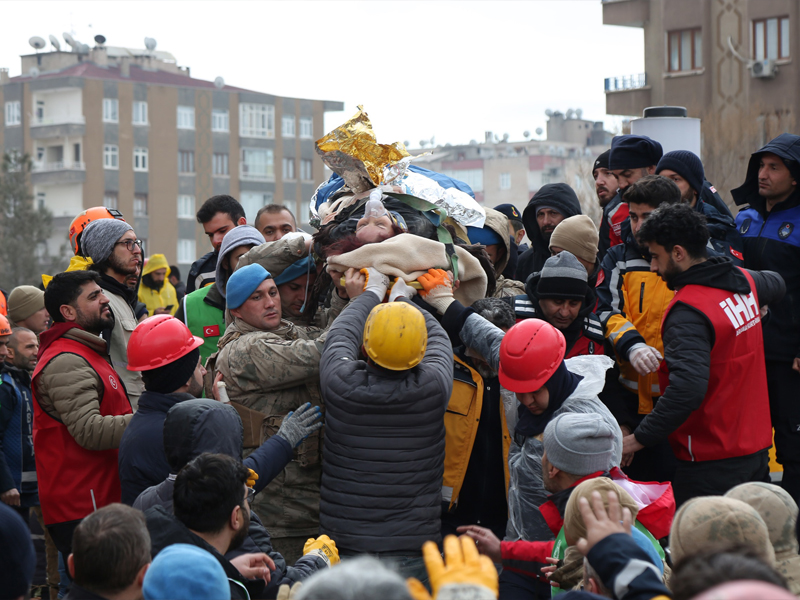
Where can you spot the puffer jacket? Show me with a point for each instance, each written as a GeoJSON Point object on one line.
{"type": "Point", "coordinates": [384, 440]}
{"type": "Point", "coordinates": [498, 222]}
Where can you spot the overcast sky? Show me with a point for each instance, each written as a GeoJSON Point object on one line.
{"type": "Point", "coordinates": [452, 70]}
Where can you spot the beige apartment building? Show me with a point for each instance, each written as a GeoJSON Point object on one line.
{"type": "Point", "coordinates": [131, 129]}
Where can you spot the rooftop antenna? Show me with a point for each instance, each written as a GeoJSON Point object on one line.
{"type": "Point", "coordinates": [70, 40]}
{"type": "Point", "coordinates": [539, 131]}
{"type": "Point", "coordinates": [37, 42]}
{"type": "Point", "coordinates": [219, 83]}
{"type": "Point", "coordinates": [55, 42]}
{"type": "Point", "coordinates": [578, 112]}
{"type": "Point", "coordinates": [526, 134]}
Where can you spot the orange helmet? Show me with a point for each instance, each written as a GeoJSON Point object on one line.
{"type": "Point", "coordinates": [80, 222]}
{"type": "Point", "coordinates": [5, 328]}
{"type": "Point", "coordinates": [158, 341]}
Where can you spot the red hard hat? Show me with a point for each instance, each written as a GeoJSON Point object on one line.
{"type": "Point", "coordinates": [80, 222]}
{"type": "Point", "coordinates": [158, 341]}
{"type": "Point", "coordinates": [530, 353]}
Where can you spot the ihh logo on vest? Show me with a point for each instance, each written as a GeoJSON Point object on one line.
{"type": "Point", "coordinates": [742, 311]}
{"type": "Point", "coordinates": [112, 381]}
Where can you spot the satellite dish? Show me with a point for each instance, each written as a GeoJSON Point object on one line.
{"type": "Point", "coordinates": [548, 112]}
{"type": "Point", "coordinates": [406, 143]}
{"type": "Point", "coordinates": [526, 134]}
{"type": "Point", "coordinates": [34, 72]}
{"type": "Point", "coordinates": [579, 112]}
{"type": "Point", "coordinates": [219, 83]}
{"type": "Point", "coordinates": [150, 43]}
{"type": "Point", "coordinates": [69, 39]}
{"type": "Point", "coordinates": [539, 131]}
{"type": "Point", "coordinates": [100, 39]}
{"type": "Point", "coordinates": [473, 142]}
{"type": "Point", "coordinates": [37, 42]}
{"type": "Point", "coordinates": [83, 48]}
{"type": "Point", "coordinates": [55, 42]}
{"type": "Point", "coordinates": [505, 137]}
{"type": "Point", "coordinates": [570, 113]}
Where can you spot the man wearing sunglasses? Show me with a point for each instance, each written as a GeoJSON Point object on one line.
{"type": "Point", "coordinates": [116, 254]}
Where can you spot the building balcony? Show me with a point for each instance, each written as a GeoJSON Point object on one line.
{"type": "Point", "coordinates": [250, 174]}
{"type": "Point", "coordinates": [54, 173]}
{"type": "Point", "coordinates": [627, 13]}
{"type": "Point", "coordinates": [628, 95]}
{"type": "Point", "coordinates": [59, 126]}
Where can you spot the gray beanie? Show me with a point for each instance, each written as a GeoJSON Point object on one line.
{"type": "Point", "coordinates": [99, 237]}
{"type": "Point", "coordinates": [562, 276]}
{"type": "Point", "coordinates": [579, 443]}
{"type": "Point", "coordinates": [243, 235]}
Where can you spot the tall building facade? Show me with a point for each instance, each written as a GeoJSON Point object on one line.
{"type": "Point", "coordinates": [132, 130]}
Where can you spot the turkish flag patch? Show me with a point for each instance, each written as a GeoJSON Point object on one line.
{"type": "Point", "coordinates": [211, 331]}
{"type": "Point", "coordinates": [737, 254]}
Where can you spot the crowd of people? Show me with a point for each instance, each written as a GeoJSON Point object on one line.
{"type": "Point", "coordinates": [412, 403]}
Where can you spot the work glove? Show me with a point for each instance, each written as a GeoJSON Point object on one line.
{"type": "Point", "coordinates": [287, 593]}
{"type": "Point", "coordinates": [401, 288]}
{"type": "Point", "coordinates": [437, 289]}
{"type": "Point", "coordinates": [645, 359]}
{"type": "Point", "coordinates": [324, 547]}
{"type": "Point", "coordinates": [467, 574]}
{"type": "Point", "coordinates": [297, 426]}
{"type": "Point", "coordinates": [252, 478]}
{"type": "Point", "coordinates": [377, 282]}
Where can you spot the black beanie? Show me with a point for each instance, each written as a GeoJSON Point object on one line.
{"type": "Point", "coordinates": [601, 162]}
{"type": "Point", "coordinates": [170, 377]}
{"type": "Point", "coordinates": [687, 165]}
{"type": "Point", "coordinates": [634, 152]}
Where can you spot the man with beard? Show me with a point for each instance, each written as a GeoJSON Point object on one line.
{"type": "Point", "coordinates": [117, 256]}
{"type": "Point", "coordinates": [156, 292]}
{"type": "Point", "coordinates": [211, 504]}
{"type": "Point", "coordinates": [81, 409]}
{"type": "Point", "coordinates": [715, 407]}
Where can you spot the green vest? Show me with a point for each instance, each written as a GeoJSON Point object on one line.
{"type": "Point", "coordinates": [203, 320]}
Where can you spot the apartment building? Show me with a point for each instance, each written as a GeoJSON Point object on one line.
{"type": "Point", "coordinates": [131, 129]}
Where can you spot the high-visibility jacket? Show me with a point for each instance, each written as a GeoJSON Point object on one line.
{"type": "Point", "coordinates": [204, 320]}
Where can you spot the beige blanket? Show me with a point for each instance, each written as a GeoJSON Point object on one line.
{"type": "Point", "coordinates": [409, 256]}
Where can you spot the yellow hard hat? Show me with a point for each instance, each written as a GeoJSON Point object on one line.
{"type": "Point", "coordinates": [395, 336]}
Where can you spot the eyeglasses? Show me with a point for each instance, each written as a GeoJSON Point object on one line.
{"type": "Point", "coordinates": [129, 244]}
{"type": "Point", "coordinates": [251, 494]}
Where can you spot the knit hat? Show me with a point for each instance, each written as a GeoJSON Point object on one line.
{"type": "Point", "coordinates": [298, 269]}
{"type": "Point", "coordinates": [167, 379]}
{"type": "Point", "coordinates": [185, 572]}
{"type": "Point", "coordinates": [687, 165]}
{"type": "Point", "coordinates": [579, 235]}
{"type": "Point", "coordinates": [484, 235]}
{"type": "Point", "coordinates": [244, 282]}
{"type": "Point", "coordinates": [510, 211]}
{"type": "Point", "coordinates": [243, 235]}
{"type": "Point", "coordinates": [563, 277]}
{"type": "Point", "coordinates": [17, 557]}
{"type": "Point", "coordinates": [633, 152]}
{"type": "Point", "coordinates": [23, 301]}
{"type": "Point", "coordinates": [708, 521]}
{"type": "Point", "coordinates": [601, 162]}
{"type": "Point", "coordinates": [579, 443]}
{"type": "Point", "coordinates": [99, 237]}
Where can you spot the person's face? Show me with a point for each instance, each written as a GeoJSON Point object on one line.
{"type": "Point", "coordinates": [196, 381]}
{"type": "Point", "coordinates": [37, 322]}
{"type": "Point", "coordinates": [605, 185]}
{"type": "Point", "coordinates": [126, 258]}
{"type": "Point", "coordinates": [4, 346]}
{"type": "Point", "coordinates": [159, 275]}
{"type": "Point", "coordinates": [536, 402]}
{"type": "Point", "coordinates": [687, 192]}
{"type": "Point", "coordinates": [627, 177]}
{"type": "Point", "coordinates": [371, 230]}
{"type": "Point", "coordinates": [244, 523]}
{"type": "Point", "coordinates": [560, 313]}
{"type": "Point", "coordinates": [262, 309]}
{"type": "Point", "coordinates": [91, 309]}
{"type": "Point", "coordinates": [234, 255]}
{"type": "Point", "coordinates": [586, 265]}
{"type": "Point", "coordinates": [493, 250]}
{"type": "Point", "coordinates": [548, 483]}
{"type": "Point", "coordinates": [547, 219]}
{"type": "Point", "coordinates": [273, 226]}
{"type": "Point", "coordinates": [23, 354]}
{"type": "Point", "coordinates": [293, 294]}
{"type": "Point", "coordinates": [661, 262]}
{"type": "Point", "coordinates": [775, 181]}
{"type": "Point", "coordinates": [639, 214]}
{"type": "Point", "coordinates": [173, 279]}
{"type": "Point", "coordinates": [220, 224]}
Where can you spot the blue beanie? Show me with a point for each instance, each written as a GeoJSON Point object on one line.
{"type": "Point", "coordinates": [295, 270]}
{"type": "Point", "coordinates": [634, 152]}
{"type": "Point", "coordinates": [687, 165]}
{"type": "Point", "coordinates": [185, 572]}
{"type": "Point", "coordinates": [484, 235]}
{"type": "Point", "coordinates": [17, 558]}
{"type": "Point", "coordinates": [244, 282]}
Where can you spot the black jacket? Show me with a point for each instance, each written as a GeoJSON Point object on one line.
{"type": "Point", "coordinates": [724, 238]}
{"type": "Point", "coordinates": [383, 457]}
{"type": "Point", "coordinates": [17, 461]}
{"type": "Point", "coordinates": [559, 196]}
{"type": "Point", "coordinates": [203, 272]}
{"type": "Point", "coordinates": [142, 461]}
{"type": "Point", "coordinates": [688, 340]}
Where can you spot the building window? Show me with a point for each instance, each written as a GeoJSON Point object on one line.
{"type": "Point", "coordinates": [185, 207]}
{"type": "Point", "coordinates": [186, 117]}
{"type": "Point", "coordinates": [220, 120]}
{"type": "Point", "coordinates": [305, 170]}
{"type": "Point", "coordinates": [505, 181]}
{"type": "Point", "coordinates": [13, 113]}
{"type": "Point", "coordinates": [257, 120]}
{"type": "Point", "coordinates": [110, 156]}
{"type": "Point", "coordinates": [76, 153]}
{"type": "Point", "coordinates": [306, 128]}
{"type": "Point", "coordinates": [140, 113]}
{"type": "Point", "coordinates": [110, 110]}
{"type": "Point", "coordinates": [685, 50]}
{"type": "Point", "coordinates": [186, 251]}
{"type": "Point", "coordinates": [472, 177]}
{"type": "Point", "coordinates": [140, 205]}
{"type": "Point", "coordinates": [288, 168]}
{"type": "Point", "coordinates": [110, 200]}
{"type": "Point", "coordinates": [252, 201]}
{"type": "Point", "coordinates": [771, 38]}
{"type": "Point", "coordinates": [219, 164]}
{"type": "Point", "coordinates": [257, 164]}
{"type": "Point", "coordinates": [40, 200]}
{"type": "Point", "coordinates": [287, 127]}
{"type": "Point", "coordinates": [185, 161]}
{"type": "Point", "coordinates": [140, 159]}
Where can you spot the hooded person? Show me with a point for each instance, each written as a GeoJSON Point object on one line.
{"type": "Point", "coordinates": [553, 203]}
{"type": "Point", "coordinates": [494, 236]}
{"type": "Point", "coordinates": [779, 512]}
{"type": "Point", "coordinates": [197, 426]}
{"type": "Point", "coordinates": [155, 290]}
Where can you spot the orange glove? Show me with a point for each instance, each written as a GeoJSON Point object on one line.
{"type": "Point", "coordinates": [437, 289]}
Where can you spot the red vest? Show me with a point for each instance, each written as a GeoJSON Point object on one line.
{"type": "Point", "coordinates": [584, 346]}
{"type": "Point", "coordinates": [734, 418]}
{"type": "Point", "coordinates": [74, 481]}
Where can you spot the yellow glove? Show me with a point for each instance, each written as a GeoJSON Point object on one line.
{"type": "Point", "coordinates": [324, 547]}
{"type": "Point", "coordinates": [286, 593]}
{"type": "Point", "coordinates": [465, 568]}
{"type": "Point", "coordinates": [252, 478]}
